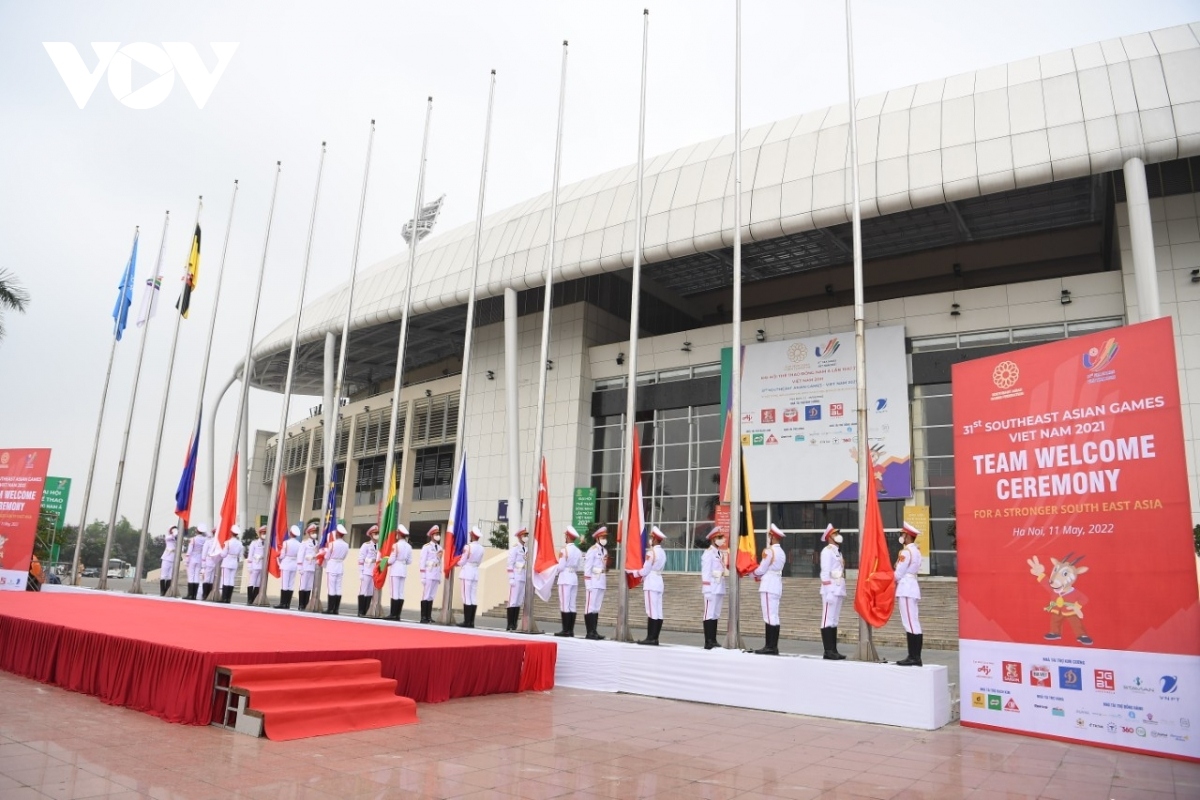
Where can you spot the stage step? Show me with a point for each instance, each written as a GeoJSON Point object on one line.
{"type": "Point", "coordinates": [799, 615]}
{"type": "Point", "coordinates": [303, 699]}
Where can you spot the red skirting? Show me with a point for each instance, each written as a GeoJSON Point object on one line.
{"type": "Point", "coordinates": [160, 656]}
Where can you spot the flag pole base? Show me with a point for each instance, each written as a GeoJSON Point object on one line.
{"type": "Point", "coordinates": [866, 645]}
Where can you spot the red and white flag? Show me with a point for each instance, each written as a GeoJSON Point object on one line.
{"type": "Point", "coordinates": [545, 562]}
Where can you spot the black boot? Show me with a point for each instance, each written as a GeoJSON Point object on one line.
{"type": "Point", "coordinates": [710, 634]}
{"type": "Point", "coordinates": [162, 588]}
{"type": "Point", "coordinates": [251, 595]}
{"type": "Point", "coordinates": [205, 588]}
{"type": "Point", "coordinates": [364, 602]}
{"type": "Point", "coordinates": [285, 600]}
{"type": "Point", "coordinates": [191, 592]}
{"type": "Point", "coordinates": [564, 632]}
{"type": "Point", "coordinates": [771, 647]}
{"type": "Point", "coordinates": [304, 597]}
{"type": "Point", "coordinates": [653, 626]}
{"type": "Point", "coordinates": [907, 661]}
{"type": "Point", "coordinates": [394, 610]}
{"type": "Point", "coordinates": [514, 614]}
{"type": "Point", "coordinates": [918, 642]}
{"type": "Point", "coordinates": [426, 612]}
{"type": "Point", "coordinates": [468, 617]}
{"type": "Point", "coordinates": [227, 594]}
{"type": "Point", "coordinates": [592, 622]}
{"type": "Point", "coordinates": [831, 651]}
{"type": "Point", "coordinates": [333, 603]}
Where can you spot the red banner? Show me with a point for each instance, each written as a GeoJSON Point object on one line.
{"type": "Point", "coordinates": [22, 479]}
{"type": "Point", "coordinates": [1079, 615]}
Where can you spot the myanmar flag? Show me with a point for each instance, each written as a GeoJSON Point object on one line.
{"type": "Point", "coordinates": [391, 515]}
{"type": "Point", "coordinates": [192, 277]}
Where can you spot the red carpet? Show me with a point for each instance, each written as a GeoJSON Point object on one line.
{"type": "Point", "coordinates": [318, 698]}
{"type": "Point", "coordinates": [160, 656]}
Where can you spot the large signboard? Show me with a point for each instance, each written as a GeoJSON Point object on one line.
{"type": "Point", "coordinates": [799, 423]}
{"type": "Point", "coordinates": [1079, 615]}
{"type": "Point", "coordinates": [54, 499]}
{"type": "Point", "coordinates": [22, 477]}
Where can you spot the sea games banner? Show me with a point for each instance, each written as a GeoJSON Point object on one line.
{"type": "Point", "coordinates": [1079, 615]}
{"type": "Point", "coordinates": [22, 478]}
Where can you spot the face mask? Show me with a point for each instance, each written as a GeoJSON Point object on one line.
{"type": "Point", "coordinates": [837, 538]}
{"type": "Point", "coordinates": [900, 538]}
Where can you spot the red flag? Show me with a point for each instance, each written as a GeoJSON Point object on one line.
{"type": "Point", "coordinates": [228, 506]}
{"type": "Point", "coordinates": [545, 562]}
{"type": "Point", "coordinates": [635, 522]}
{"type": "Point", "coordinates": [875, 596]}
{"type": "Point", "coordinates": [279, 535]}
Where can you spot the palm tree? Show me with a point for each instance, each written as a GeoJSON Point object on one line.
{"type": "Point", "coordinates": [13, 296]}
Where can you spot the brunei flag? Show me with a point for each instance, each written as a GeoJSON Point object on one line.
{"type": "Point", "coordinates": [746, 553]}
{"type": "Point", "coordinates": [191, 277]}
{"type": "Point", "coordinates": [391, 515]}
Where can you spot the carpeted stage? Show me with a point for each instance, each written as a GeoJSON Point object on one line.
{"type": "Point", "coordinates": [159, 656]}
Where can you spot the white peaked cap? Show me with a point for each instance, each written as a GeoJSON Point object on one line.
{"type": "Point", "coordinates": [202, 528]}
{"type": "Point", "coordinates": [829, 532]}
{"type": "Point", "coordinates": [657, 534]}
{"type": "Point", "coordinates": [523, 530]}
{"type": "Point", "coordinates": [911, 529]}
{"type": "Point", "coordinates": [341, 530]}
{"type": "Point", "coordinates": [236, 530]}
{"type": "Point", "coordinates": [294, 530]}
{"type": "Point", "coordinates": [601, 531]}
{"type": "Point", "coordinates": [572, 534]}
{"type": "Point", "coordinates": [774, 529]}
{"type": "Point", "coordinates": [475, 534]}
{"type": "Point", "coordinates": [401, 530]}
{"type": "Point", "coordinates": [715, 532]}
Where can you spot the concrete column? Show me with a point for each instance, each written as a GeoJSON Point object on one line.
{"type": "Point", "coordinates": [1141, 237]}
{"type": "Point", "coordinates": [512, 412]}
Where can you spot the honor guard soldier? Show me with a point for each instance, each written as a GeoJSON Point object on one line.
{"type": "Point", "coordinates": [209, 565]}
{"type": "Point", "coordinates": [289, 562]}
{"type": "Point", "coordinates": [714, 566]}
{"type": "Point", "coordinates": [431, 572]}
{"type": "Point", "coordinates": [472, 557]}
{"type": "Point", "coordinates": [231, 556]}
{"type": "Point", "coordinates": [569, 562]}
{"type": "Point", "coordinates": [652, 585]}
{"type": "Point", "coordinates": [368, 556]}
{"type": "Point", "coordinates": [769, 574]}
{"type": "Point", "coordinates": [397, 570]}
{"type": "Point", "coordinates": [833, 590]}
{"type": "Point", "coordinates": [516, 579]}
{"type": "Point", "coordinates": [167, 570]}
{"type": "Point", "coordinates": [595, 581]}
{"type": "Point", "coordinates": [256, 556]}
{"type": "Point", "coordinates": [908, 593]}
{"type": "Point", "coordinates": [195, 560]}
{"type": "Point", "coordinates": [307, 564]}
{"type": "Point", "coordinates": [335, 565]}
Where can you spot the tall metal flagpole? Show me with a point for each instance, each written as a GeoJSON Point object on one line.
{"type": "Point", "coordinates": [623, 634]}
{"type": "Point", "coordinates": [137, 374]}
{"type": "Point", "coordinates": [527, 624]}
{"type": "Point", "coordinates": [733, 634]}
{"type": "Point", "coordinates": [469, 336]}
{"type": "Point", "coordinates": [334, 408]}
{"type": "Point", "coordinates": [247, 364]}
{"type": "Point", "coordinates": [87, 487]}
{"type": "Point", "coordinates": [866, 647]}
{"type": "Point", "coordinates": [261, 600]}
{"type": "Point", "coordinates": [178, 581]}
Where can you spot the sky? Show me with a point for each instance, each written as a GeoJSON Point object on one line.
{"type": "Point", "coordinates": [75, 182]}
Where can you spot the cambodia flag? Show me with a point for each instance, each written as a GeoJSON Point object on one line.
{"type": "Point", "coordinates": [875, 596]}
{"type": "Point", "coordinates": [456, 528]}
{"type": "Point", "coordinates": [278, 529]}
{"type": "Point", "coordinates": [635, 523]}
{"type": "Point", "coordinates": [187, 481]}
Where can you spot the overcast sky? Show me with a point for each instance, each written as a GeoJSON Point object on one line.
{"type": "Point", "coordinates": [74, 182]}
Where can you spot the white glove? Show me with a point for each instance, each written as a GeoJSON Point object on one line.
{"type": "Point", "coordinates": [597, 571]}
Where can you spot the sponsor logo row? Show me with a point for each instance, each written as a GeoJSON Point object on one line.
{"type": "Point", "coordinates": [1073, 678]}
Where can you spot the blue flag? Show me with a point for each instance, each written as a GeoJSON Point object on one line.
{"type": "Point", "coordinates": [330, 515]}
{"type": "Point", "coordinates": [187, 481]}
{"type": "Point", "coordinates": [457, 527]}
{"type": "Point", "coordinates": [125, 293]}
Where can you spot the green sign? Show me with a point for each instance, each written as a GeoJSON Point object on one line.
{"type": "Point", "coordinates": [54, 499]}
{"type": "Point", "coordinates": [583, 511]}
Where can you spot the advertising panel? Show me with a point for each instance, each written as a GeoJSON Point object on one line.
{"type": "Point", "coordinates": [799, 423]}
{"type": "Point", "coordinates": [54, 499]}
{"type": "Point", "coordinates": [22, 478]}
{"type": "Point", "coordinates": [1079, 615]}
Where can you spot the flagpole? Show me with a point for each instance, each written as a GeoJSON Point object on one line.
{"type": "Point", "coordinates": [623, 634]}
{"type": "Point", "coordinates": [866, 647]}
{"type": "Point", "coordinates": [87, 486]}
{"type": "Point", "coordinates": [277, 475]}
{"type": "Point", "coordinates": [333, 409]}
{"type": "Point", "coordinates": [733, 634]}
{"type": "Point", "coordinates": [176, 583]}
{"type": "Point", "coordinates": [137, 374]}
{"type": "Point", "coordinates": [527, 624]}
{"type": "Point", "coordinates": [468, 338]}
{"type": "Point", "coordinates": [247, 363]}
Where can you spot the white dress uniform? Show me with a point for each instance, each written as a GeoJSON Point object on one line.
{"type": "Point", "coordinates": [231, 556]}
{"type": "Point", "coordinates": [255, 558]}
{"type": "Point", "coordinates": [770, 587]}
{"type": "Point", "coordinates": [908, 591]}
{"type": "Point", "coordinates": [431, 570]}
{"type": "Point", "coordinates": [472, 557]}
{"type": "Point", "coordinates": [712, 581]}
{"type": "Point", "coordinates": [212, 559]}
{"type": "Point", "coordinates": [167, 571]}
{"type": "Point", "coordinates": [652, 585]}
{"type": "Point", "coordinates": [516, 574]}
{"type": "Point", "coordinates": [833, 585]}
{"type": "Point", "coordinates": [570, 559]}
{"type": "Point", "coordinates": [397, 568]}
{"type": "Point", "coordinates": [595, 577]}
{"type": "Point", "coordinates": [289, 555]}
{"type": "Point", "coordinates": [368, 556]}
{"type": "Point", "coordinates": [195, 557]}
{"type": "Point", "coordinates": [335, 558]}
{"type": "Point", "coordinates": [307, 564]}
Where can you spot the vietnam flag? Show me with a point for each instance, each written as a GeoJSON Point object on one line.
{"type": "Point", "coordinates": [545, 561]}
{"type": "Point", "coordinates": [228, 506]}
{"type": "Point", "coordinates": [875, 596]}
{"type": "Point", "coordinates": [279, 530]}
{"type": "Point", "coordinates": [635, 522]}
{"type": "Point", "coordinates": [391, 513]}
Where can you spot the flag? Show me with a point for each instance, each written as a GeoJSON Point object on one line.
{"type": "Point", "coordinates": [192, 277]}
{"type": "Point", "coordinates": [187, 481]}
{"type": "Point", "coordinates": [149, 299]}
{"type": "Point", "coordinates": [228, 506]}
{"type": "Point", "coordinates": [279, 530]}
{"type": "Point", "coordinates": [875, 595]}
{"type": "Point", "coordinates": [390, 516]}
{"type": "Point", "coordinates": [545, 562]}
{"type": "Point", "coordinates": [747, 555]}
{"type": "Point", "coordinates": [456, 528]}
{"type": "Point", "coordinates": [125, 293]}
{"type": "Point", "coordinates": [331, 522]}
{"type": "Point", "coordinates": [635, 522]}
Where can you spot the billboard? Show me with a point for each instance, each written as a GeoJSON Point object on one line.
{"type": "Point", "coordinates": [54, 499]}
{"type": "Point", "coordinates": [1078, 603]}
{"type": "Point", "coordinates": [799, 423]}
{"type": "Point", "coordinates": [22, 478]}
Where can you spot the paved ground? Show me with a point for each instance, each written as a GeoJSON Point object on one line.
{"type": "Point", "coordinates": [565, 743]}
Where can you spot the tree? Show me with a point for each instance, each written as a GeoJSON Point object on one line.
{"type": "Point", "coordinates": [499, 538]}
{"type": "Point", "coordinates": [13, 296]}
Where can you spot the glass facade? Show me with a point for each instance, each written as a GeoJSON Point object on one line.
{"type": "Point", "coordinates": [432, 473]}
{"type": "Point", "coordinates": [933, 471]}
{"type": "Point", "coordinates": [319, 487]}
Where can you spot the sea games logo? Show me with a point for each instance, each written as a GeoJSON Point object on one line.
{"type": "Point", "coordinates": [828, 349]}
{"type": "Point", "coordinates": [1005, 376]}
{"type": "Point", "coordinates": [1097, 359]}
